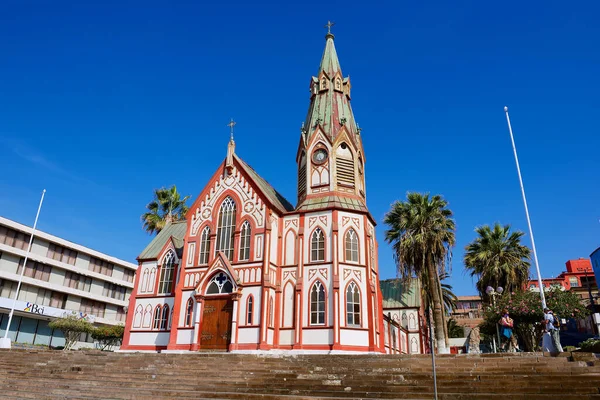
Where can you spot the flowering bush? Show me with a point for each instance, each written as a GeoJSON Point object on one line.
{"type": "Point", "coordinates": [525, 308]}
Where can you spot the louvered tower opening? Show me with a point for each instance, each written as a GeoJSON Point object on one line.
{"type": "Point", "coordinates": [302, 176]}
{"type": "Point", "coordinates": [345, 166]}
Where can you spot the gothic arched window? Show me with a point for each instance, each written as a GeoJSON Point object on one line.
{"type": "Point", "coordinates": [317, 246]}
{"type": "Point", "coordinates": [137, 319]}
{"type": "Point", "coordinates": [271, 321]}
{"type": "Point", "coordinates": [353, 304]}
{"type": "Point", "coordinates": [351, 246]}
{"type": "Point", "coordinates": [164, 318]}
{"type": "Point", "coordinates": [245, 241]}
{"type": "Point", "coordinates": [165, 284]}
{"type": "Point", "coordinates": [189, 312]}
{"type": "Point", "coordinates": [220, 283]}
{"type": "Point", "coordinates": [317, 304]}
{"type": "Point", "coordinates": [226, 227]}
{"type": "Point", "coordinates": [156, 318]}
{"type": "Point", "coordinates": [249, 310]}
{"type": "Point", "coordinates": [404, 320]}
{"type": "Point", "coordinates": [204, 246]}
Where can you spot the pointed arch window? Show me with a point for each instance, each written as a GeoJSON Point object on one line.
{"type": "Point", "coordinates": [226, 227]}
{"type": "Point", "coordinates": [156, 318]}
{"type": "Point", "coordinates": [351, 245]}
{"type": "Point", "coordinates": [344, 161]}
{"type": "Point", "coordinates": [245, 241]}
{"type": "Point", "coordinates": [165, 284]}
{"type": "Point", "coordinates": [317, 246]}
{"type": "Point", "coordinates": [353, 304]}
{"type": "Point", "coordinates": [189, 312]}
{"type": "Point", "coordinates": [250, 310]}
{"type": "Point", "coordinates": [204, 246]}
{"type": "Point", "coordinates": [219, 284]}
{"type": "Point", "coordinates": [271, 321]}
{"type": "Point", "coordinates": [317, 304]}
{"type": "Point", "coordinates": [164, 318]}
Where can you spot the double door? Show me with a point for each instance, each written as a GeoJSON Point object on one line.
{"type": "Point", "coordinates": [216, 323]}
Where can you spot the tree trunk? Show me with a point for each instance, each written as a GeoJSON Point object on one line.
{"type": "Point", "coordinates": [444, 319]}
{"type": "Point", "coordinates": [438, 318]}
{"type": "Point", "coordinates": [530, 335]}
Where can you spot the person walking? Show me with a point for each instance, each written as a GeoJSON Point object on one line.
{"type": "Point", "coordinates": [550, 325]}
{"type": "Point", "coordinates": [506, 332]}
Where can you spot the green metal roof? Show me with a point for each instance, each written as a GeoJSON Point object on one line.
{"type": "Point", "coordinates": [401, 294]}
{"type": "Point", "coordinates": [175, 230]}
{"type": "Point", "coordinates": [330, 109]}
{"type": "Point", "coordinates": [274, 197]}
{"type": "Point", "coordinates": [329, 62]}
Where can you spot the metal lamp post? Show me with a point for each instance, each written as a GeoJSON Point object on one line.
{"type": "Point", "coordinates": [493, 293]}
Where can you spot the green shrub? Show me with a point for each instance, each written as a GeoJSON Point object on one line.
{"type": "Point", "coordinates": [72, 327]}
{"type": "Point", "coordinates": [108, 336]}
{"type": "Point", "coordinates": [591, 345]}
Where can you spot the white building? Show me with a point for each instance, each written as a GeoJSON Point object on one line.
{"type": "Point", "coordinates": [60, 276]}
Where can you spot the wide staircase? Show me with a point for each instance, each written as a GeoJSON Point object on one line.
{"type": "Point", "coordinates": [30, 374]}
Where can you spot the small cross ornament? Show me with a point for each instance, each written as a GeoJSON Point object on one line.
{"type": "Point", "coordinates": [231, 124]}
{"type": "Point", "coordinates": [328, 26]}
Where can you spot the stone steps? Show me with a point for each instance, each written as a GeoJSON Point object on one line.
{"type": "Point", "coordinates": [95, 375]}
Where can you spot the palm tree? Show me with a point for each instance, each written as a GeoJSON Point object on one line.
{"type": "Point", "coordinates": [498, 258]}
{"type": "Point", "coordinates": [167, 206]}
{"type": "Point", "coordinates": [455, 330]}
{"type": "Point", "coordinates": [421, 232]}
{"type": "Point", "coordinates": [449, 299]}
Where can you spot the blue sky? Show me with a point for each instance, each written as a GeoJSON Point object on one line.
{"type": "Point", "coordinates": [100, 103]}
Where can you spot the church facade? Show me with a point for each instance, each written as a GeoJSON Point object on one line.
{"type": "Point", "coordinates": [247, 270]}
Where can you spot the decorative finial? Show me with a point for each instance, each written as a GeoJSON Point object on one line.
{"type": "Point", "coordinates": [230, 148]}
{"type": "Point", "coordinates": [328, 26]}
{"type": "Point", "coordinates": [231, 124]}
{"type": "Point", "coordinates": [505, 109]}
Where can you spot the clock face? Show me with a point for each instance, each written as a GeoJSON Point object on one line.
{"type": "Point", "coordinates": [320, 156]}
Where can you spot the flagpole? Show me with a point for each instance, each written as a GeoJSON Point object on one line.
{"type": "Point", "coordinates": [5, 342]}
{"type": "Point", "coordinates": [537, 265]}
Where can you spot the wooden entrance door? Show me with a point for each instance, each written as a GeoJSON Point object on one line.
{"type": "Point", "coordinates": [216, 323]}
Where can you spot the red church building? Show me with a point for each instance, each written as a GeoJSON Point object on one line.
{"type": "Point", "coordinates": [248, 270]}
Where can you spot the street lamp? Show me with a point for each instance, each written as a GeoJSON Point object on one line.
{"type": "Point", "coordinates": [493, 293]}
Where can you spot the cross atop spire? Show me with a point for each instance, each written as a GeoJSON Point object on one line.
{"type": "Point", "coordinates": [328, 26]}
{"type": "Point", "coordinates": [230, 147]}
{"type": "Point", "coordinates": [231, 124]}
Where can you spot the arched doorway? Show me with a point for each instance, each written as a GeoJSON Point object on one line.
{"type": "Point", "coordinates": [217, 313]}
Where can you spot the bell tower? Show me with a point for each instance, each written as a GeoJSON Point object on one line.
{"type": "Point", "coordinates": [330, 155]}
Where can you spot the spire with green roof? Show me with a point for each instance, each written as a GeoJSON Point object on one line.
{"type": "Point", "coordinates": [330, 156]}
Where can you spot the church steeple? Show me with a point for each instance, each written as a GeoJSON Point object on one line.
{"type": "Point", "coordinates": [330, 95]}
{"type": "Point", "coordinates": [330, 158]}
